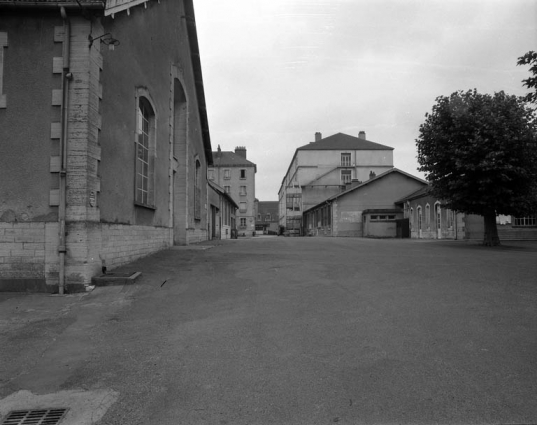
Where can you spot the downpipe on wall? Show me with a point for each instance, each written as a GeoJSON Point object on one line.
{"type": "Point", "coordinates": [66, 78]}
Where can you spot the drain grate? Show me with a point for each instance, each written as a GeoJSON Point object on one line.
{"type": "Point", "coordinates": [35, 417]}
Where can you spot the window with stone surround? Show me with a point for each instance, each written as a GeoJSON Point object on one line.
{"type": "Point", "coordinates": [145, 152]}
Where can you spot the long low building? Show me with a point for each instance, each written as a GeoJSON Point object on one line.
{"type": "Point", "coordinates": [363, 209]}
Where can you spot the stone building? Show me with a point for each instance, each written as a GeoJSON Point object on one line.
{"type": "Point", "coordinates": [233, 172]}
{"type": "Point", "coordinates": [267, 221]}
{"type": "Point", "coordinates": [222, 217]}
{"type": "Point", "coordinates": [365, 209]}
{"type": "Point", "coordinates": [104, 137]}
{"type": "Point", "coordinates": [323, 168]}
{"type": "Point", "coordinates": [429, 218]}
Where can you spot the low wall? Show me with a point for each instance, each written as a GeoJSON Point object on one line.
{"type": "Point", "coordinates": [29, 259]}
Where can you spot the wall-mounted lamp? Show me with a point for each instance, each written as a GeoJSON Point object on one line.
{"type": "Point", "coordinates": [105, 39]}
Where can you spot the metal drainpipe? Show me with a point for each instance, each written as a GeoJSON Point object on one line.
{"type": "Point", "coordinates": [66, 77]}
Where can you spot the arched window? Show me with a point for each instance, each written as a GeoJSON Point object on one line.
{"type": "Point", "coordinates": [411, 218]}
{"type": "Point", "coordinates": [145, 152]}
{"type": "Point", "coordinates": [420, 223]}
{"type": "Point", "coordinates": [427, 216]}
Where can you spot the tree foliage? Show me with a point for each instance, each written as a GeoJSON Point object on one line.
{"type": "Point", "coordinates": [479, 153]}
{"type": "Point", "coordinates": [530, 58]}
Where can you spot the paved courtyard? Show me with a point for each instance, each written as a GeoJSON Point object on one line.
{"type": "Point", "coordinates": [291, 331]}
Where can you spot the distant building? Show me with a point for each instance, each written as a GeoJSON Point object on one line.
{"type": "Point", "coordinates": [324, 168]}
{"type": "Point", "coordinates": [428, 218]}
{"type": "Point", "coordinates": [364, 209]}
{"type": "Point", "coordinates": [104, 142]}
{"type": "Point", "coordinates": [233, 172]}
{"type": "Point", "coordinates": [222, 216]}
{"type": "Point", "coordinates": [267, 220]}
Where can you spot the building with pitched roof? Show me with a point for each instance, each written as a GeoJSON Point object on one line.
{"type": "Point", "coordinates": [366, 209]}
{"type": "Point", "coordinates": [232, 171]}
{"type": "Point", "coordinates": [267, 222]}
{"type": "Point", "coordinates": [324, 168]}
{"type": "Point", "coordinates": [104, 138]}
{"type": "Point", "coordinates": [222, 216]}
{"type": "Point", "coordinates": [429, 218]}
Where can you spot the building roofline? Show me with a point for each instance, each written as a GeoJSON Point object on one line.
{"type": "Point", "coordinates": [380, 176]}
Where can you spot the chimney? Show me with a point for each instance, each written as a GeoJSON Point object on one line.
{"type": "Point", "coordinates": [241, 151]}
{"type": "Point", "coordinates": [361, 135]}
{"type": "Point", "coordinates": [318, 136]}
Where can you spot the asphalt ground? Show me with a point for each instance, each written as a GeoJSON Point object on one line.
{"type": "Point", "coordinates": [288, 331]}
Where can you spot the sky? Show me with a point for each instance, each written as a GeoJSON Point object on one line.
{"type": "Point", "coordinates": [277, 71]}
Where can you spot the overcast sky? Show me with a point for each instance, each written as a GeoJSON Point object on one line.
{"type": "Point", "coordinates": [277, 71]}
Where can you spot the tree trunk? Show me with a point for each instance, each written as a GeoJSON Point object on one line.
{"type": "Point", "coordinates": [491, 231]}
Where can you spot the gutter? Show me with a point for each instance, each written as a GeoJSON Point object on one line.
{"type": "Point", "coordinates": [66, 78]}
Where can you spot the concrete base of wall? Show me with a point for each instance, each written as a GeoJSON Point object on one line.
{"type": "Point", "coordinates": [37, 285]}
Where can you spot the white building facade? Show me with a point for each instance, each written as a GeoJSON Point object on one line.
{"type": "Point", "coordinates": [233, 172]}
{"type": "Point", "coordinates": [324, 168]}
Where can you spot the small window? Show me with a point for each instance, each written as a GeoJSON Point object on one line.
{"type": "Point", "coordinates": [258, 217]}
{"type": "Point", "coordinates": [243, 222]}
{"type": "Point", "coordinates": [210, 174]}
{"type": "Point", "coordinates": [374, 217]}
{"type": "Point", "coordinates": [346, 176]}
{"type": "Point", "coordinates": [345, 159]}
{"type": "Point", "coordinates": [243, 190]}
{"type": "Point", "coordinates": [243, 174]}
{"type": "Point", "coordinates": [268, 217]}
{"type": "Point", "coordinates": [227, 175]}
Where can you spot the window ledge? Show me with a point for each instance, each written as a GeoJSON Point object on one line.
{"type": "Point", "coordinates": [149, 207]}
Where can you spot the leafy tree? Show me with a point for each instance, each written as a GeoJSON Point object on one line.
{"type": "Point", "coordinates": [530, 58]}
{"type": "Point", "coordinates": [479, 153]}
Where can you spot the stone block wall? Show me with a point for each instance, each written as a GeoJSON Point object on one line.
{"type": "Point", "coordinates": [28, 255]}
{"type": "Point", "coordinates": [122, 244]}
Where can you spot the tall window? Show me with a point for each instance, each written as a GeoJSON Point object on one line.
{"type": "Point", "coordinates": [210, 174]}
{"type": "Point", "coordinates": [450, 217]}
{"type": "Point", "coordinates": [242, 206]}
{"type": "Point", "coordinates": [268, 217]}
{"type": "Point", "coordinates": [145, 148]}
{"type": "Point", "coordinates": [226, 175]}
{"type": "Point", "coordinates": [427, 216]}
{"type": "Point", "coordinates": [420, 223]}
{"type": "Point", "coordinates": [227, 189]}
{"type": "Point", "coordinates": [293, 201]}
{"type": "Point", "coordinates": [346, 176]}
{"type": "Point", "coordinates": [3, 43]}
{"type": "Point", "coordinates": [243, 174]}
{"type": "Point", "coordinates": [243, 222]}
{"type": "Point", "coordinates": [243, 190]}
{"type": "Point", "coordinates": [345, 159]}
{"type": "Point", "coordinates": [197, 191]}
